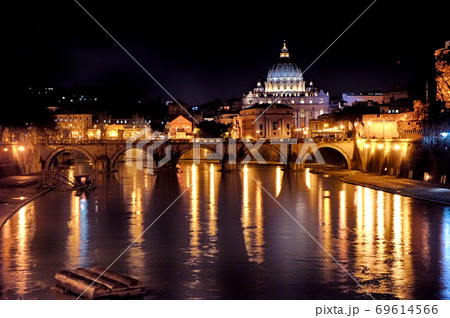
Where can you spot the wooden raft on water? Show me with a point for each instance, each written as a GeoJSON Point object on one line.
{"type": "Point", "coordinates": [109, 285]}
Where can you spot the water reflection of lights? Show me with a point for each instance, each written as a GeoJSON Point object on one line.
{"type": "Point", "coordinates": [383, 241]}
{"type": "Point", "coordinates": [401, 267]}
{"type": "Point", "coordinates": [252, 221]}
{"type": "Point", "coordinates": [136, 227]}
{"type": "Point", "coordinates": [195, 222]}
{"type": "Point", "coordinates": [308, 178]}
{"type": "Point", "coordinates": [278, 180]}
{"type": "Point", "coordinates": [77, 240]}
{"type": "Point", "coordinates": [342, 210]}
{"type": "Point", "coordinates": [446, 254]}
{"type": "Point", "coordinates": [380, 216]}
{"type": "Point", "coordinates": [212, 205]}
{"type": "Point", "coordinates": [25, 231]}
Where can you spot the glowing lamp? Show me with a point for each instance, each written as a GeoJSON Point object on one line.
{"type": "Point", "coordinates": [21, 148]}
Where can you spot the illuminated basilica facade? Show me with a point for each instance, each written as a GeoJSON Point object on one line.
{"type": "Point", "coordinates": [285, 85]}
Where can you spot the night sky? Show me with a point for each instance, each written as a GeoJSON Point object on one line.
{"type": "Point", "coordinates": [200, 51]}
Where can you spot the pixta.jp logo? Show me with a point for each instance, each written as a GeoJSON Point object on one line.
{"type": "Point", "coordinates": [157, 149]}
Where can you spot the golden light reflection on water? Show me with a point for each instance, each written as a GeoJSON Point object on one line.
{"type": "Point", "coordinates": [16, 241]}
{"type": "Point", "coordinates": [370, 232]}
{"type": "Point", "coordinates": [212, 224]}
{"type": "Point", "coordinates": [278, 180]}
{"type": "Point", "coordinates": [202, 218]}
{"type": "Point", "coordinates": [252, 219]}
{"type": "Point", "coordinates": [402, 270]}
{"type": "Point", "coordinates": [195, 223]}
{"type": "Point", "coordinates": [381, 239]}
{"type": "Point", "coordinates": [77, 240]}
{"type": "Point", "coordinates": [136, 227]}
{"type": "Point", "coordinates": [74, 237]}
{"type": "Point", "coordinates": [308, 178]}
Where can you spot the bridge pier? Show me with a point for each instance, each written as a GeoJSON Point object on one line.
{"type": "Point", "coordinates": [291, 166]}
{"type": "Point", "coordinates": [228, 167]}
{"type": "Point", "coordinates": [101, 165]}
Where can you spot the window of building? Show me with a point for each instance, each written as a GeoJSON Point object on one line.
{"type": "Point", "coordinates": [260, 126]}
{"type": "Point", "coordinates": [287, 126]}
{"type": "Point", "coordinates": [274, 125]}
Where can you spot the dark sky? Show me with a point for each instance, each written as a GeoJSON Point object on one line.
{"type": "Point", "coordinates": [202, 50]}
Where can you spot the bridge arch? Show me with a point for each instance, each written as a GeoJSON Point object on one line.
{"type": "Point", "coordinates": [177, 151]}
{"type": "Point", "coordinates": [325, 147]}
{"type": "Point", "coordinates": [54, 153]}
{"type": "Point", "coordinates": [265, 147]}
{"type": "Point", "coordinates": [114, 158]}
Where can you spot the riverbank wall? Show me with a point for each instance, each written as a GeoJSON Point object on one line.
{"type": "Point", "coordinates": [19, 159]}
{"type": "Point", "coordinates": [420, 160]}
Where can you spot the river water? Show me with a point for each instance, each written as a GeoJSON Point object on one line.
{"type": "Point", "coordinates": [227, 238]}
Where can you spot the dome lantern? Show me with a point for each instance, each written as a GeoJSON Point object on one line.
{"type": "Point", "coordinates": [285, 76]}
{"type": "Point", "coordinates": [284, 52]}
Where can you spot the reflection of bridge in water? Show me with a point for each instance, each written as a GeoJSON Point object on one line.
{"type": "Point", "coordinates": [292, 153]}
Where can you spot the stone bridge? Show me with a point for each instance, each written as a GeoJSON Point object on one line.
{"type": "Point", "coordinates": [292, 153]}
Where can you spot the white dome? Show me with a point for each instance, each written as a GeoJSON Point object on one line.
{"type": "Point", "coordinates": [285, 76]}
{"type": "Point", "coordinates": [284, 71]}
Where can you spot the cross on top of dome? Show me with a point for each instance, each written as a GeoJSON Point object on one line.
{"type": "Point", "coordinates": [284, 51]}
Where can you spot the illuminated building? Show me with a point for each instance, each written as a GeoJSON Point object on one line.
{"type": "Point", "coordinates": [408, 124]}
{"type": "Point", "coordinates": [180, 128]}
{"type": "Point", "coordinates": [352, 98]}
{"type": "Point", "coordinates": [327, 128]}
{"type": "Point", "coordinates": [74, 126]}
{"type": "Point", "coordinates": [442, 62]}
{"type": "Point", "coordinates": [118, 128]}
{"type": "Point", "coordinates": [385, 125]}
{"type": "Point", "coordinates": [285, 85]}
{"type": "Point", "coordinates": [226, 118]}
{"type": "Point", "coordinates": [261, 121]}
